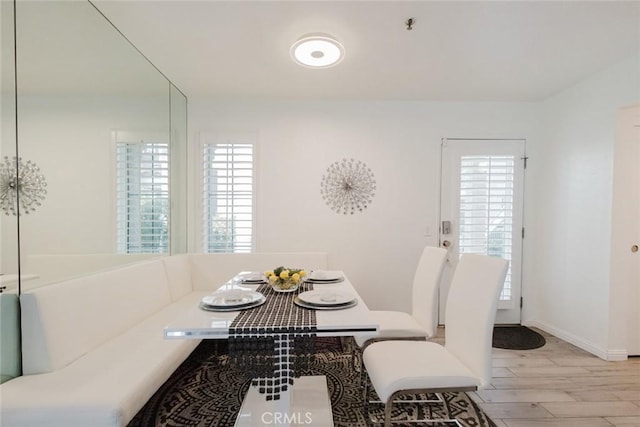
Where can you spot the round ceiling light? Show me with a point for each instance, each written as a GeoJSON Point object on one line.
{"type": "Point", "coordinates": [317, 51]}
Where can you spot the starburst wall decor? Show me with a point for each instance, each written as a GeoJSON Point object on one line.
{"type": "Point", "coordinates": [348, 186]}
{"type": "Point", "coordinates": [20, 184]}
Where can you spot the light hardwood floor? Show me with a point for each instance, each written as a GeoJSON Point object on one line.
{"type": "Point", "coordinates": [560, 385]}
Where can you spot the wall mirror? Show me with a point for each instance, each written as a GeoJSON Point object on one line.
{"type": "Point", "coordinates": [107, 131]}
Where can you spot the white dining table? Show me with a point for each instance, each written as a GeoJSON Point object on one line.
{"type": "Point", "coordinates": [307, 401]}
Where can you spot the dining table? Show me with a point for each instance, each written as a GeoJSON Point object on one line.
{"type": "Point", "coordinates": [270, 332]}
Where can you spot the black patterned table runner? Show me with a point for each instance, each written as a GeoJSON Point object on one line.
{"type": "Point", "coordinates": [273, 341]}
{"type": "Point", "coordinates": [277, 314]}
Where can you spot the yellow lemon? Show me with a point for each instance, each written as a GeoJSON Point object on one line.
{"type": "Point", "coordinates": [284, 274]}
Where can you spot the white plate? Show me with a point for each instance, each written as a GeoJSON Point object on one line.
{"type": "Point", "coordinates": [232, 308]}
{"type": "Point", "coordinates": [253, 282]}
{"type": "Point", "coordinates": [324, 282]}
{"type": "Point", "coordinates": [297, 301]}
{"type": "Point", "coordinates": [251, 277]}
{"type": "Point", "coordinates": [291, 289]}
{"type": "Point", "coordinates": [325, 276]}
{"type": "Point", "coordinates": [232, 298]}
{"type": "Point", "coordinates": [325, 297]}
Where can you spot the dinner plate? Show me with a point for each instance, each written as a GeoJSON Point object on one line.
{"type": "Point", "coordinates": [253, 281]}
{"type": "Point", "coordinates": [232, 308]}
{"type": "Point", "coordinates": [325, 297]}
{"type": "Point", "coordinates": [251, 278]}
{"type": "Point", "coordinates": [232, 299]}
{"type": "Point", "coordinates": [326, 276]}
{"type": "Point", "coordinates": [325, 282]}
{"type": "Point", "coordinates": [299, 302]}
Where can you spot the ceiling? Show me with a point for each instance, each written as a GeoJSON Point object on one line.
{"type": "Point", "coordinates": [456, 51]}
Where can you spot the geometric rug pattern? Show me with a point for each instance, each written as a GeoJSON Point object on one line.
{"type": "Point", "coordinates": [208, 388]}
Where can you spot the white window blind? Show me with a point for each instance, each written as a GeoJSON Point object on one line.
{"type": "Point", "coordinates": [227, 197]}
{"type": "Point", "coordinates": [486, 208]}
{"type": "Point", "coordinates": [142, 197]}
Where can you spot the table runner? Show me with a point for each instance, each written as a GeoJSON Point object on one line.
{"type": "Point", "coordinates": [273, 341]}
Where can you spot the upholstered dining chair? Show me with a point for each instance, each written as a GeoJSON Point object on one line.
{"type": "Point", "coordinates": [463, 363]}
{"type": "Point", "coordinates": [422, 322]}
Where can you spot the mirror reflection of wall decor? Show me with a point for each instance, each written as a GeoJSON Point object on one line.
{"type": "Point", "coordinates": [78, 80]}
{"type": "Point", "coordinates": [22, 186]}
{"type": "Point", "coordinates": [348, 186]}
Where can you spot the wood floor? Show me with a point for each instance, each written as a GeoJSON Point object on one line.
{"type": "Point", "coordinates": [560, 385]}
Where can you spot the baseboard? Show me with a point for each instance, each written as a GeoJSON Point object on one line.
{"type": "Point", "coordinates": [617, 355]}
{"type": "Point", "coordinates": [609, 355]}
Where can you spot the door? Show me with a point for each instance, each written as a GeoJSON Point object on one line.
{"type": "Point", "coordinates": [625, 232]}
{"type": "Point", "coordinates": [481, 205]}
{"type": "Point", "coordinates": [633, 331]}
{"type": "Point", "coordinates": [633, 334]}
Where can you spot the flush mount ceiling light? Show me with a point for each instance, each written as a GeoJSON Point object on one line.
{"type": "Point", "coordinates": [317, 51]}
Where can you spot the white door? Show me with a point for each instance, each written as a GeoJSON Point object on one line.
{"type": "Point", "coordinates": [625, 228]}
{"type": "Point", "coordinates": [482, 184]}
{"type": "Point", "coordinates": [633, 331]}
{"type": "Point", "coordinates": [634, 287]}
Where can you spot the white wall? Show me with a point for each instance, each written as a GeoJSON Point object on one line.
{"type": "Point", "coordinates": [399, 141]}
{"type": "Point", "coordinates": [570, 182]}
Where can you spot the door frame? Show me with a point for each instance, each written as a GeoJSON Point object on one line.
{"type": "Point", "coordinates": [517, 303]}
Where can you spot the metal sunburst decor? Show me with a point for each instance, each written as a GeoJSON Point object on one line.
{"type": "Point", "coordinates": [21, 184]}
{"type": "Point", "coordinates": [348, 186]}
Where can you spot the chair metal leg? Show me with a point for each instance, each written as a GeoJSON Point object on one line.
{"type": "Point", "coordinates": [367, 418]}
{"type": "Point", "coordinates": [387, 411]}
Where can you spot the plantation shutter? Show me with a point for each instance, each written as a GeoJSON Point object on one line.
{"type": "Point", "coordinates": [142, 197]}
{"type": "Point", "coordinates": [487, 208]}
{"type": "Point", "coordinates": [227, 197]}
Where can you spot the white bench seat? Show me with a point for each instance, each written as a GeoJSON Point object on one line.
{"type": "Point", "coordinates": [93, 347]}
{"type": "Point", "coordinates": [107, 386]}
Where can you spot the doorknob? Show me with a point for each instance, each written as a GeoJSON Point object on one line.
{"type": "Point", "coordinates": [446, 244]}
{"type": "Point", "coordinates": [634, 248]}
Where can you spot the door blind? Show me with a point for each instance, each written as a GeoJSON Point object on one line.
{"type": "Point", "coordinates": [227, 197]}
{"type": "Point", "coordinates": [487, 208]}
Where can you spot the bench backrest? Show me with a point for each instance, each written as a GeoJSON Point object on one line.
{"type": "Point", "coordinates": [65, 320]}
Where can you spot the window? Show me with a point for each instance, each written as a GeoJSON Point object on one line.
{"type": "Point", "coordinates": [227, 197]}
{"type": "Point", "coordinates": [142, 196]}
{"type": "Point", "coordinates": [486, 208]}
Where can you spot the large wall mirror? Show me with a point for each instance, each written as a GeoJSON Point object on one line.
{"type": "Point", "coordinates": [91, 117]}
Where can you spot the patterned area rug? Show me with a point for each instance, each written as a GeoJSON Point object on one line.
{"type": "Point", "coordinates": [207, 390]}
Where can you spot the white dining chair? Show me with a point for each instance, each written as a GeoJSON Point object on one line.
{"type": "Point", "coordinates": [463, 363]}
{"type": "Point", "coordinates": [422, 322]}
